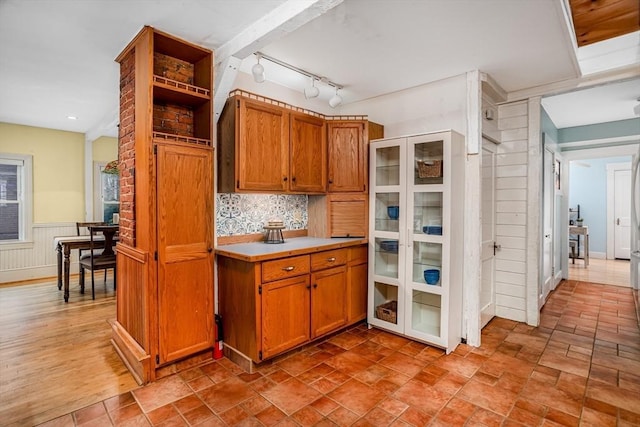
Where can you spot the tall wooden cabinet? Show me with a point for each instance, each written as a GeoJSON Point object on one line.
{"type": "Point", "coordinates": [165, 305]}
{"type": "Point", "coordinates": [416, 236]}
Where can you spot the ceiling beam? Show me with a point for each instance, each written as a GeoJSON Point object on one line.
{"type": "Point", "coordinates": [281, 21]}
{"type": "Point", "coordinates": [105, 126]}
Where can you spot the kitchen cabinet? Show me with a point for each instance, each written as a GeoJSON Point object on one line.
{"type": "Point", "coordinates": [165, 299]}
{"type": "Point", "coordinates": [347, 161]}
{"type": "Point", "coordinates": [268, 148]}
{"type": "Point", "coordinates": [416, 240]}
{"type": "Point", "coordinates": [274, 305]}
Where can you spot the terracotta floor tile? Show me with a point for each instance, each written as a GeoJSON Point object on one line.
{"type": "Point", "coordinates": [161, 392]}
{"type": "Point", "coordinates": [119, 415]}
{"type": "Point", "coordinates": [422, 396]}
{"type": "Point", "coordinates": [591, 417]}
{"type": "Point", "coordinates": [124, 399]}
{"type": "Point", "coordinates": [343, 417]}
{"type": "Point", "coordinates": [216, 372]}
{"type": "Point", "coordinates": [298, 363]}
{"type": "Point", "coordinates": [291, 395]}
{"type": "Point", "coordinates": [104, 420]}
{"type": "Point", "coordinates": [495, 399]}
{"type": "Point", "coordinates": [562, 418]}
{"type": "Point", "coordinates": [484, 417]}
{"type": "Point", "coordinates": [402, 363]}
{"type": "Point", "coordinates": [460, 365]}
{"type": "Point", "coordinates": [572, 339]}
{"type": "Point", "coordinates": [200, 383]}
{"type": "Point", "coordinates": [450, 383]}
{"type": "Point", "coordinates": [263, 384]}
{"type": "Point", "coordinates": [389, 340]}
{"type": "Point", "coordinates": [307, 416]}
{"type": "Point", "coordinates": [324, 405]}
{"type": "Point", "coordinates": [499, 363]}
{"type": "Point", "coordinates": [349, 363]}
{"type": "Point", "coordinates": [566, 364]}
{"type": "Point", "coordinates": [551, 397]}
{"type": "Point", "coordinates": [270, 416]}
{"type": "Point", "coordinates": [188, 403]}
{"type": "Point", "coordinates": [356, 396]}
{"type": "Point", "coordinates": [226, 394]}
{"type": "Point", "coordinates": [197, 415]}
{"type": "Point", "coordinates": [386, 387]}
{"type": "Point", "coordinates": [234, 415]}
{"type": "Point", "coordinates": [163, 413]}
{"type": "Point", "coordinates": [614, 396]}
{"type": "Point", "coordinates": [379, 417]}
{"type": "Point", "coordinates": [323, 385]}
{"type": "Point", "coordinates": [347, 340]}
{"type": "Point", "coordinates": [415, 417]}
{"type": "Point", "coordinates": [255, 405]}
{"type": "Point", "coordinates": [279, 376]}
{"type": "Point", "coordinates": [393, 406]}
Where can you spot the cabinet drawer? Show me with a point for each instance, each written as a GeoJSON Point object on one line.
{"type": "Point", "coordinates": [285, 267]}
{"type": "Point", "coordinates": [358, 254]}
{"type": "Point", "coordinates": [328, 259]}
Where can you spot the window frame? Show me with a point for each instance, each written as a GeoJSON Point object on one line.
{"type": "Point", "coordinates": [25, 200]}
{"type": "Point", "coordinates": [98, 199]}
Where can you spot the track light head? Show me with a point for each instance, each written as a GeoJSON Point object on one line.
{"type": "Point", "coordinates": [313, 91]}
{"type": "Point", "coordinates": [258, 71]}
{"type": "Point", "coordinates": [335, 100]}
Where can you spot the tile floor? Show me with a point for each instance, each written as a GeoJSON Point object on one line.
{"type": "Point", "coordinates": [581, 366]}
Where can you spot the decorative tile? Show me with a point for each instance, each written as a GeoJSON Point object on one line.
{"type": "Point", "coordinates": [247, 213]}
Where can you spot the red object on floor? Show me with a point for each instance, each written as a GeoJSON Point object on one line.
{"type": "Point", "coordinates": [218, 345]}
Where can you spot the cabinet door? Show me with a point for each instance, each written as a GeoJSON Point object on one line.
{"type": "Point", "coordinates": [308, 154]}
{"type": "Point", "coordinates": [357, 284]}
{"type": "Point", "coordinates": [346, 157]}
{"type": "Point", "coordinates": [328, 300]}
{"type": "Point", "coordinates": [185, 261]}
{"type": "Point", "coordinates": [262, 147]}
{"type": "Point", "coordinates": [285, 314]}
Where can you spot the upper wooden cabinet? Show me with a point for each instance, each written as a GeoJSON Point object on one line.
{"type": "Point", "coordinates": [264, 147]}
{"type": "Point", "coordinates": [308, 172]}
{"type": "Point", "coordinates": [346, 150]}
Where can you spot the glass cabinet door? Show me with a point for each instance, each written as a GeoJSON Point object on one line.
{"type": "Point", "coordinates": [386, 244]}
{"type": "Point", "coordinates": [428, 162]}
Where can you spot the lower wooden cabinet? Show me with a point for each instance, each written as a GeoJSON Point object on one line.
{"type": "Point", "coordinates": [269, 307]}
{"type": "Point", "coordinates": [285, 315]}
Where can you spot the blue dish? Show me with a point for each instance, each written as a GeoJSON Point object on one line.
{"type": "Point", "coordinates": [389, 246]}
{"type": "Point", "coordinates": [432, 276]}
{"type": "Point", "coordinates": [432, 229]}
{"type": "Point", "coordinates": [393, 212]}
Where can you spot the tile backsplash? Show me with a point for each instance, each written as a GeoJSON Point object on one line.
{"type": "Point", "coordinates": [247, 213]}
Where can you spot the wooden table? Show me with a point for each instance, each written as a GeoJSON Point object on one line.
{"type": "Point", "coordinates": [581, 231]}
{"type": "Point", "coordinates": [64, 245]}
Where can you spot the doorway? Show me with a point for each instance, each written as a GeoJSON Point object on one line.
{"type": "Point", "coordinates": [618, 211]}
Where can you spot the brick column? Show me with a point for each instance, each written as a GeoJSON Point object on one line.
{"type": "Point", "coordinates": [126, 145]}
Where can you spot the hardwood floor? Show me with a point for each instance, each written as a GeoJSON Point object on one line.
{"type": "Point", "coordinates": [606, 271]}
{"type": "Point", "coordinates": [55, 357]}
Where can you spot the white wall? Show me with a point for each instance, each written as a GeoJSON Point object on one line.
{"type": "Point", "coordinates": [511, 211]}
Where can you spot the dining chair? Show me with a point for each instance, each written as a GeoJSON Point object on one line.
{"type": "Point", "coordinates": [96, 260]}
{"type": "Point", "coordinates": [82, 228]}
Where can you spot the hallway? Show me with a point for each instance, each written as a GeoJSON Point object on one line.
{"type": "Point", "coordinates": [606, 271]}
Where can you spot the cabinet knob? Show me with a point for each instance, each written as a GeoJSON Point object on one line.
{"type": "Point", "coordinates": [315, 285]}
{"type": "Point", "coordinates": [285, 179]}
{"type": "Point", "coordinates": [330, 181]}
{"type": "Point", "coordinates": [209, 250]}
{"type": "Point", "coordinates": [332, 259]}
{"type": "Point", "coordinates": [308, 286]}
{"type": "Point", "coordinates": [290, 268]}
{"type": "Point", "coordinates": [293, 179]}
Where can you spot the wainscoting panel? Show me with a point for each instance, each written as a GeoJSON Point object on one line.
{"type": "Point", "coordinates": [39, 259]}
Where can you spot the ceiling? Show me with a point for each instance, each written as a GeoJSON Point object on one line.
{"type": "Point", "coordinates": [57, 57]}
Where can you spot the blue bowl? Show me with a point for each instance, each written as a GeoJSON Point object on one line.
{"type": "Point", "coordinates": [432, 276]}
{"type": "Point", "coordinates": [432, 229]}
{"type": "Point", "coordinates": [393, 212]}
{"type": "Point", "coordinates": [389, 246]}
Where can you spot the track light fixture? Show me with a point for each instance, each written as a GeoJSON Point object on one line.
{"type": "Point", "coordinates": [258, 71]}
{"type": "Point", "coordinates": [313, 91]}
{"type": "Point", "coordinates": [310, 92]}
{"type": "Point", "coordinates": [335, 100]}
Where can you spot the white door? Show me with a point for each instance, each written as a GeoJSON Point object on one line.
{"type": "Point", "coordinates": [558, 220]}
{"type": "Point", "coordinates": [487, 290]}
{"type": "Point", "coordinates": [622, 214]}
{"type": "Point", "coordinates": [548, 219]}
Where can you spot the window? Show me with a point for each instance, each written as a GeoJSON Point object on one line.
{"type": "Point", "coordinates": [107, 193]}
{"type": "Point", "coordinates": [15, 198]}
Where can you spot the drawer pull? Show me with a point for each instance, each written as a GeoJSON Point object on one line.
{"type": "Point", "coordinates": [332, 259]}
{"type": "Point", "coordinates": [290, 268]}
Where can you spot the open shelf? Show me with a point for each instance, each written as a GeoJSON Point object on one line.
{"type": "Point", "coordinates": [173, 91]}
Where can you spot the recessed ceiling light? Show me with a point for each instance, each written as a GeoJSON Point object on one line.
{"type": "Point", "coordinates": [72, 117]}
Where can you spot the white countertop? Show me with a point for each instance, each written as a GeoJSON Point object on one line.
{"type": "Point", "coordinates": [259, 251]}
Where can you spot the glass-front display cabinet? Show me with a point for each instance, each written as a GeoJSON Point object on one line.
{"type": "Point", "coordinates": [416, 242]}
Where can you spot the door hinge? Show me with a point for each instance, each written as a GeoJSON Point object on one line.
{"type": "Point", "coordinates": [260, 290]}
{"type": "Point", "coordinates": [238, 184]}
{"type": "Point", "coordinates": [260, 355]}
{"type": "Point", "coordinates": [157, 359]}
{"type": "Point", "coordinates": [553, 271]}
{"type": "Point", "coordinates": [155, 255]}
{"type": "Point", "coordinates": [155, 149]}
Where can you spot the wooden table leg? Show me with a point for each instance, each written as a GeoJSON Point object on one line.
{"type": "Point", "coordinates": [59, 253]}
{"type": "Point", "coordinates": [66, 273]}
